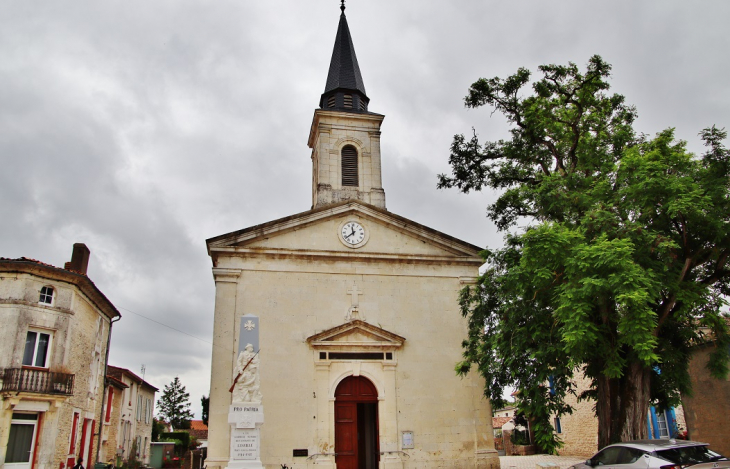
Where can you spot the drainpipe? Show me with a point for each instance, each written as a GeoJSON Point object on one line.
{"type": "Point", "coordinates": [105, 386]}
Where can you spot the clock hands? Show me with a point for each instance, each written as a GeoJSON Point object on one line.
{"type": "Point", "coordinates": [354, 236]}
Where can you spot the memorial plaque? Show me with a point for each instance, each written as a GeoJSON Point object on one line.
{"type": "Point", "coordinates": [244, 444]}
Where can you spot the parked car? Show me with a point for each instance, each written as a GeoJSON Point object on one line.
{"type": "Point", "coordinates": [656, 454]}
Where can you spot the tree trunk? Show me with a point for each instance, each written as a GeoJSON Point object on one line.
{"type": "Point", "coordinates": [622, 405]}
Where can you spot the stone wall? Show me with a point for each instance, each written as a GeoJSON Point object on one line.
{"type": "Point", "coordinates": [706, 411]}
{"type": "Point", "coordinates": [579, 429]}
{"type": "Point", "coordinates": [112, 428]}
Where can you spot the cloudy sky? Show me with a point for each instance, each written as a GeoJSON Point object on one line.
{"type": "Point", "coordinates": [142, 128]}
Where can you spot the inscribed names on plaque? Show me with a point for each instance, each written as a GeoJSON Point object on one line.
{"type": "Point", "coordinates": [244, 444]}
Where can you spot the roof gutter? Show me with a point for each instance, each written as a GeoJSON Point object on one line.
{"type": "Point", "coordinates": [106, 385]}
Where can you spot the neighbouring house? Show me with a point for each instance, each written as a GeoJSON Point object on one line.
{"type": "Point", "coordinates": [128, 417]}
{"type": "Point", "coordinates": [110, 451]}
{"type": "Point", "coordinates": [709, 406]}
{"type": "Point", "coordinates": [508, 411]}
{"type": "Point", "coordinates": [579, 430]}
{"type": "Point", "coordinates": [497, 424]}
{"type": "Point", "coordinates": [199, 430]}
{"type": "Point", "coordinates": [55, 327]}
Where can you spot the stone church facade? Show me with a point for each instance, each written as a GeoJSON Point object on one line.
{"type": "Point", "coordinates": [359, 326]}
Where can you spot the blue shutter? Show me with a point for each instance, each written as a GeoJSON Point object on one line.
{"type": "Point", "coordinates": [654, 424]}
{"type": "Point", "coordinates": [672, 423]}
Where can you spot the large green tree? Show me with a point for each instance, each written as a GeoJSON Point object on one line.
{"type": "Point", "coordinates": [616, 253]}
{"type": "Point", "coordinates": [174, 405]}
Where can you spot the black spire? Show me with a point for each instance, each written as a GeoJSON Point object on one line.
{"type": "Point", "coordinates": [345, 89]}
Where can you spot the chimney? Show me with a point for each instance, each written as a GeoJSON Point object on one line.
{"type": "Point", "coordinates": [79, 259]}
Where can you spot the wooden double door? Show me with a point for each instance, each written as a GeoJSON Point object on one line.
{"type": "Point", "coordinates": [356, 424]}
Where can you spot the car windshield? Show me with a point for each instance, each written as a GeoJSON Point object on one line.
{"type": "Point", "coordinates": [689, 455]}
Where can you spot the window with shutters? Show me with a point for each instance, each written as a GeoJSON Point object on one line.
{"type": "Point", "coordinates": [349, 166]}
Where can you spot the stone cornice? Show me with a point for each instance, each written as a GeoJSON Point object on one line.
{"type": "Point", "coordinates": [321, 114]}
{"type": "Point", "coordinates": [308, 254]}
{"type": "Point", "coordinates": [222, 275]}
{"type": "Point", "coordinates": [232, 242]}
{"type": "Point", "coordinates": [80, 281]}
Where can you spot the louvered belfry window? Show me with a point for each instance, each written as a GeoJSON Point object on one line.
{"type": "Point", "coordinates": [349, 166]}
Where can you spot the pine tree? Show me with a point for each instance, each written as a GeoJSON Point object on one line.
{"type": "Point", "coordinates": [174, 405]}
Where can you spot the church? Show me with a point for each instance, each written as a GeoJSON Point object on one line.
{"type": "Point", "coordinates": [349, 313]}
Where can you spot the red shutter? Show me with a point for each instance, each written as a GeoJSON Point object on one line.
{"type": "Point", "coordinates": [109, 404]}
{"type": "Point", "coordinates": [91, 443]}
{"type": "Point", "coordinates": [83, 438]}
{"type": "Point", "coordinates": [38, 436]}
{"type": "Point", "coordinates": [74, 427]}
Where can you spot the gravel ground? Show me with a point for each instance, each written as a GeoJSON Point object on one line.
{"type": "Point", "coordinates": [531, 462]}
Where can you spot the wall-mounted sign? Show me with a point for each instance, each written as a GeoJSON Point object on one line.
{"type": "Point", "coordinates": [407, 440]}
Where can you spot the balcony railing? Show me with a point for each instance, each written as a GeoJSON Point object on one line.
{"type": "Point", "coordinates": [37, 381]}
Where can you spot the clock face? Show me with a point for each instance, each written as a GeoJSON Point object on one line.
{"type": "Point", "coordinates": [352, 232]}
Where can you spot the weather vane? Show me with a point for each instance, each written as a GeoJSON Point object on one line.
{"type": "Point", "coordinates": [342, 7]}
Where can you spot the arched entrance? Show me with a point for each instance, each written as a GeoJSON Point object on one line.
{"type": "Point", "coordinates": [356, 424]}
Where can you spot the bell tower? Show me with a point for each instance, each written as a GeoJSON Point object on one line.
{"type": "Point", "coordinates": [345, 136]}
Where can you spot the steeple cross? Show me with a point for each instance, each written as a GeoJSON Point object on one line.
{"type": "Point", "coordinates": [355, 293]}
{"type": "Point", "coordinates": [342, 7]}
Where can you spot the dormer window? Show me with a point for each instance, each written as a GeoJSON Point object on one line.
{"type": "Point", "coordinates": [46, 297]}
{"type": "Point", "coordinates": [349, 166]}
{"type": "Point", "coordinates": [348, 101]}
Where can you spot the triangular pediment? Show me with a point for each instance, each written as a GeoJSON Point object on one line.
{"type": "Point", "coordinates": [356, 334]}
{"type": "Point", "coordinates": [316, 231]}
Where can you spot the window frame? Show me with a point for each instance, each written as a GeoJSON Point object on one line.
{"type": "Point", "coordinates": [44, 295]}
{"type": "Point", "coordinates": [34, 357]}
{"type": "Point", "coordinates": [15, 422]}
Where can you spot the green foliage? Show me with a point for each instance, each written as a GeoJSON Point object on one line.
{"type": "Point", "coordinates": [174, 405]}
{"type": "Point", "coordinates": [132, 462]}
{"type": "Point", "coordinates": [205, 402]}
{"type": "Point", "coordinates": [182, 440]}
{"type": "Point", "coordinates": [157, 428]}
{"type": "Point", "coordinates": [520, 437]}
{"type": "Point", "coordinates": [623, 260]}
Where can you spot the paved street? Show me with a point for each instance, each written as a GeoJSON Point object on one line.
{"type": "Point", "coordinates": [531, 462]}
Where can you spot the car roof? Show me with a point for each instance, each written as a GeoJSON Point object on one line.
{"type": "Point", "coordinates": [654, 445]}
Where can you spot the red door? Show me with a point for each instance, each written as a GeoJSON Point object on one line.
{"type": "Point", "coordinates": [356, 434]}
